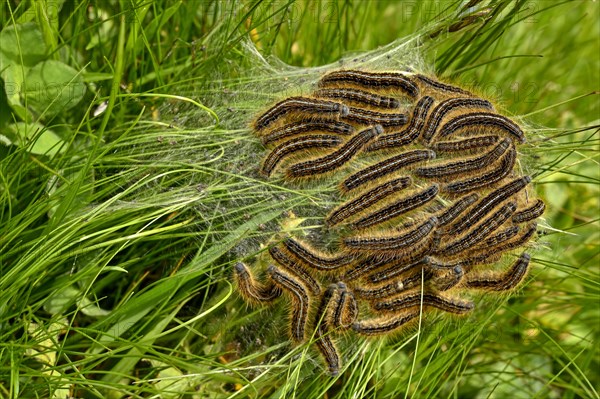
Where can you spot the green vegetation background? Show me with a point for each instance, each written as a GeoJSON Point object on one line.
{"type": "Point", "coordinates": [124, 202]}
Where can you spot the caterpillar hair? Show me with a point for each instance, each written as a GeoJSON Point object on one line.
{"type": "Point", "coordinates": [251, 290]}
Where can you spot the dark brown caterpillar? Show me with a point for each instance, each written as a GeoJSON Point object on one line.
{"type": "Point", "coordinates": [359, 96]}
{"type": "Point", "coordinates": [295, 145]}
{"type": "Point", "coordinates": [300, 301]}
{"type": "Point", "coordinates": [394, 242]}
{"type": "Point", "coordinates": [386, 167]}
{"type": "Point", "coordinates": [322, 334]}
{"type": "Point", "coordinates": [489, 202]}
{"type": "Point", "coordinates": [296, 128]}
{"type": "Point", "coordinates": [483, 119]}
{"type": "Point", "coordinates": [366, 200]}
{"type": "Point", "coordinates": [287, 263]}
{"type": "Point", "coordinates": [372, 80]}
{"type": "Point", "coordinates": [336, 159]}
{"type": "Point", "coordinates": [251, 290]}
{"type": "Point", "coordinates": [397, 208]}
{"type": "Point", "coordinates": [502, 282]}
{"type": "Point", "coordinates": [300, 104]}
{"type": "Point", "coordinates": [416, 299]}
{"type": "Point", "coordinates": [410, 133]}
{"type": "Point", "coordinates": [447, 106]}
{"type": "Point", "coordinates": [317, 259]}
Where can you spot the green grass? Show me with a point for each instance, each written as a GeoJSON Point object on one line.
{"type": "Point", "coordinates": [116, 245]}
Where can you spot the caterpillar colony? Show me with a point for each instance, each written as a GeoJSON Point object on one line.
{"type": "Point", "coordinates": [437, 206]}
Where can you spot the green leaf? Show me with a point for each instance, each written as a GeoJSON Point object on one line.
{"type": "Point", "coordinates": [170, 380]}
{"type": "Point", "coordinates": [5, 140]}
{"type": "Point", "coordinates": [60, 301]}
{"type": "Point", "coordinates": [13, 75]}
{"type": "Point", "coordinates": [37, 139]}
{"type": "Point", "coordinates": [53, 87]}
{"type": "Point", "coordinates": [22, 44]}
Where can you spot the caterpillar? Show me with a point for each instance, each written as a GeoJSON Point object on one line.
{"type": "Point", "coordinates": [447, 106]}
{"type": "Point", "coordinates": [250, 289]}
{"type": "Point", "coordinates": [428, 299]}
{"type": "Point", "coordinates": [295, 145]}
{"type": "Point", "coordinates": [296, 128]}
{"type": "Point", "coordinates": [300, 104]}
{"type": "Point", "coordinates": [359, 96]}
{"type": "Point", "coordinates": [315, 258]}
{"type": "Point", "coordinates": [410, 133]}
{"type": "Point", "coordinates": [393, 242]}
{"type": "Point", "coordinates": [287, 263]}
{"type": "Point", "coordinates": [300, 301]}
{"type": "Point", "coordinates": [397, 208]}
{"type": "Point", "coordinates": [385, 167]}
{"type": "Point", "coordinates": [372, 80]}
{"type": "Point", "coordinates": [337, 158]}
{"type": "Point", "coordinates": [502, 282]}
{"type": "Point", "coordinates": [489, 202]}
{"type": "Point", "coordinates": [483, 119]}
{"type": "Point", "coordinates": [366, 200]}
